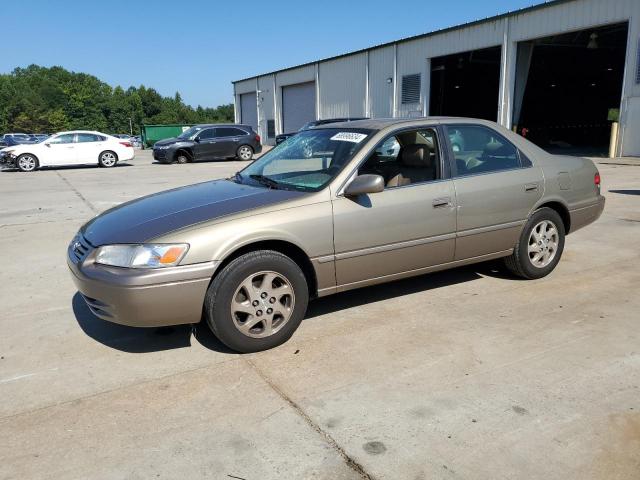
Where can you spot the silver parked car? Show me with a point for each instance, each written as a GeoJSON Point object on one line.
{"type": "Point", "coordinates": [332, 209]}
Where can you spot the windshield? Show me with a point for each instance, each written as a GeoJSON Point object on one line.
{"type": "Point", "coordinates": [190, 132]}
{"type": "Point", "coordinates": [307, 161]}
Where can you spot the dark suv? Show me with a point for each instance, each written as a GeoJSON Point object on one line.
{"type": "Point", "coordinates": [283, 136]}
{"type": "Point", "coordinates": [209, 142]}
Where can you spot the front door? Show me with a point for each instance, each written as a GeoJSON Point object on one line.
{"type": "Point", "coordinates": [206, 145]}
{"type": "Point", "coordinates": [409, 226]}
{"type": "Point", "coordinates": [496, 189]}
{"type": "Point", "coordinates": [61, 150]}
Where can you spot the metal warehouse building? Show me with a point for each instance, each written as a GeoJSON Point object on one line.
{"type": "Point", "coordinates": [559, 73]}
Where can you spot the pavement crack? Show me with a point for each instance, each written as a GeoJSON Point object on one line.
{"type": "Point", "coordinates": [80, 196]}
{"type": "Point", "coordinates": [351, 462]}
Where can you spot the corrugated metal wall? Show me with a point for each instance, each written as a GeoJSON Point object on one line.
{"type": "Point", "coordinates": [265, 102]}
{"type": "Point", "coordinates": [298, 105]}
{"type": "Point", "coordinates": [381, 82]}
{"type": "Point", "coordinates": [248, 109]}
{"type": "Point", "coordinates": [343, 84]}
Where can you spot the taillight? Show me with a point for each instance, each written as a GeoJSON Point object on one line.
{"type": "Point", "coordinates": [596, 179]}
{"type": "Point", "coordinates": [126, 144]}
{"type": "Point", "coordinates": [258, 138]}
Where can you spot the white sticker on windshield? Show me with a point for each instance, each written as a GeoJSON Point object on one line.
{"type": "Point", "coordinates": [349, 137]}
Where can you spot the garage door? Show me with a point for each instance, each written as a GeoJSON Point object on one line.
{"type": "Point", "coordinates": [298, 105]}
{"type": "Point", "coordinates": [249, 110]}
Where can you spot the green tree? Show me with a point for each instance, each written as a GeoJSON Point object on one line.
{"type": "Point", "coordinates": [40, 99]}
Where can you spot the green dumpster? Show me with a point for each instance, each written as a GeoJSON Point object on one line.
{"type": "Point", "coordinates": [152, 133]}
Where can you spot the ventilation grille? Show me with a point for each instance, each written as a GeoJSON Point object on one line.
{"type": "Point", "coordinates": [411, 88]}
{"type": "Point", "coordinates": [271, 128]}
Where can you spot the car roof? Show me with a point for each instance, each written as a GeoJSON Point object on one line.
{"type": "Point", "coordinates": [83, 131]}
{"type": "Point", "coordinates": [380, 123]}
{"type": "Point", "coordinates": [202, 125]}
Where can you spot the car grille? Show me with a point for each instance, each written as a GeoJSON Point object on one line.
{"type": "Point", "coordinates": [98, 308]}
{"type": "Point", "coordinates": [79, 248]}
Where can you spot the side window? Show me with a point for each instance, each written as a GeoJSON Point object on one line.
{"type": "Point", "coordinates": [405, 158]}
{"type": "Point", "coordinates": [207, 134]}
{"type": "Point", "coordinates": [229, 132]}
{"type": "Point", "coordinates": [87, 137]}
{"type": "Point", "coordinates": [479, 149]}
{"type": "Point", "coordinates": [65, 138]}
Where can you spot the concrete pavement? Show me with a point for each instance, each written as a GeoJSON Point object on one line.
{"type": "Point", "coordinates": [462, 374]}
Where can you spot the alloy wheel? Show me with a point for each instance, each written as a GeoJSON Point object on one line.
{"type": "Point", "coordinates": [262, 304]}
{"type": "Point", "coordinates": [245, 153]}
{"type": "Point", "coordinates": [27, 163]}
{"type": "Point", "coordinates": [543, 244]}
{"type": "Point", "coordinates": [108, 159]}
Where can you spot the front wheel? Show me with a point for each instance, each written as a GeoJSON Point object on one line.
{"type": "Point", "coordinates": [257, 301]}
{"type": "Point", "coordinates": [181, 157]}
{"type": "Point", "coordinates": [27, 162]}
{"type": "Point", "coordinates": [245, 152]}
{"type": "Point", "coordinates": [107, 159]}
{"type": "Point", "coordinates": [540, 246]}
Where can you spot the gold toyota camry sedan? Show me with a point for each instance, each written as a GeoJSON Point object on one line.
{"type": "Point", "coordinates": [334, 208]}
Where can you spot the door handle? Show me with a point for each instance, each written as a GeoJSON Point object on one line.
{"type": "Point", "coordinates": [441, 202]}
{"type": "Point", "coordinates": [531, 187]}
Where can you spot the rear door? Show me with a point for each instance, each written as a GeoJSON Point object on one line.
{"type": "Point", "coordinates": [88, 147]}
{"type": "Point", "coordinates": [496, 187]}
{"type": "Point", "coordinates": [228, 140]}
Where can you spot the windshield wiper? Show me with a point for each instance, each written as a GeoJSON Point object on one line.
{"type": "Point", "coordinates": [237, 177]}
{"type": "Point", "coordinates": [269, 182]}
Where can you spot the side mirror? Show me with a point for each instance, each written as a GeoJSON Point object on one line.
{"type": "Point", "coordinates": [47, 144]}
{"type": "Point", "coordinates": [364, 184]}
{"type": "Point", "coordinates": [197, 139]}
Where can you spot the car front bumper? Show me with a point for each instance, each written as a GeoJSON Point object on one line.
{"type": "Point", "coordinates": [141, 297]}
{"type": "Point", "coordinates": [160, 154]}
{"type": "Point", "coordinates": [7, 160]}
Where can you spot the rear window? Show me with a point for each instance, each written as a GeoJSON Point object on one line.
{"type": "Point", "coordinates": [229, 132]}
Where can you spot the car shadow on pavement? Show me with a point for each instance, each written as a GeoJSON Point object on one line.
{"type": "Point", "coordinates": [142, 340]}
{"type": "Point", "coordinates": [408, 286]}
{"type": "Point", "coordinates": [145, 340]}
{"type": "Point", "coordinates": [626, 192]}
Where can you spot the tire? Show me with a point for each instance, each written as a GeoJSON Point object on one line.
{"type": "Point", "coordinates": [107, 159]}
{"type": "Point", "coordinates": [27, 162]}
{"type": "Point", "coordinates": [244, 153]}
{"type": "Point", "coordinates": [230, 306]}
{"type": "Point", "coordinates": [540, 245]}
{"type": "Point", "coordinates": [181, 157]}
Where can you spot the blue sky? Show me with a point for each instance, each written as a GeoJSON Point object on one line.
{"type": "Point", "coordinates": [199, 47]}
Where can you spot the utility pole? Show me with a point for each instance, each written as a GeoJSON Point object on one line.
{"type": "Point", "coordinates": [130, 127]}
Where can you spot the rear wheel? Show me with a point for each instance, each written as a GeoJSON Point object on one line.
{"type": "Point", "coordinates": [27, 162]}
{"type": "Point", "coordinates": [540, 246]}
{"type": "Point", "coordinates": [244, 152]}
{"type": "Point", "coordinates": [257, 301]}
{"type": "Point", "coordinates": [107, 159]}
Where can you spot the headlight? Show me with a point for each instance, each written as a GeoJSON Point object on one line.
{"type": "Point", "coordinates": [142, 256]}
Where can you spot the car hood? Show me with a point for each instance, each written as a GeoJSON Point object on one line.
{"type": "Point", "coordinates": [19, 148]}
{"type": "Point", "coordinates": [148, 217]}
{"type": "Point", "coordinates": [169, 141]}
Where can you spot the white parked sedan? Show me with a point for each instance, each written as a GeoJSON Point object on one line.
{"type": "Point", "coordinates": [69, 148]}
